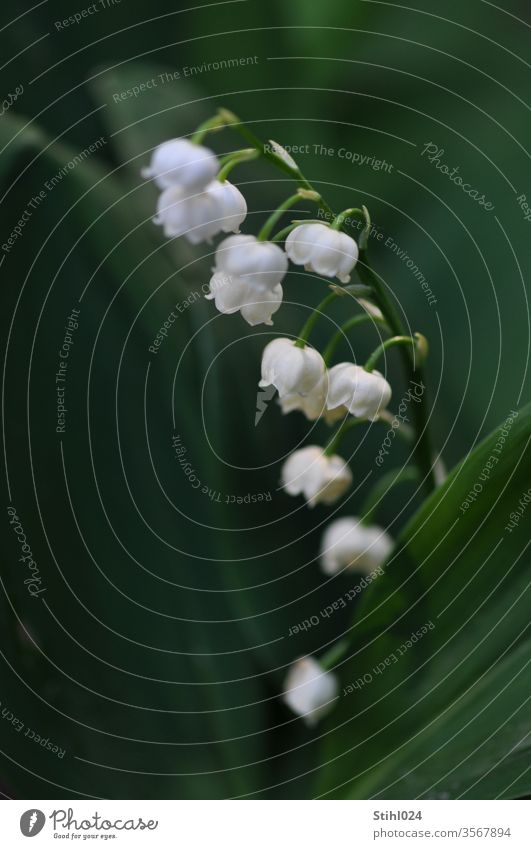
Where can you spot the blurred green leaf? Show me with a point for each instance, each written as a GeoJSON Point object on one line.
{"type": "Point", "coordinates": [417, 722]}
{"type": "Point", "coordinates": [133, 650]}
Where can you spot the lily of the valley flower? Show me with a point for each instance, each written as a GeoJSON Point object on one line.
{"type": "Point", "coordinates": [219, 207]}
{"type": "Point", "coordinates": [348, 544]}
{"type": "Point", "coordinates": [328, 252]}
{"type": "Point", "coordinates": [179, 162]}
{"type": "Point", "coordinates": [293, 370]}
{"type": "Point", "coordinates": [363, 393]}
{"type": "Point", "coordinates": [315, 475]}
{"type": "Point", "coordinates": [309, 690]}
{"type": "Point", "coordinates": [247, 277]}
{"type": "Point", "coordinates": [313, 405]}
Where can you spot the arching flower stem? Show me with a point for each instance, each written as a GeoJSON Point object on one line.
{"type": "Point", "coordinates": [309, 324]}
{"type": "Point", "coordinates": [229, 162]}
{"type": "Point", "coordinates": [370, 365]}
{"type": "Point", "coordinates": [355, 321]}
{"type": "Point", "coordinates": [269, 225]}
{"type": "Point", "coordinates": [342, 430]}
{"type": "Point", "coordinates": [366, 273]}
{"type": "Point", "coordinates": [332, 657]}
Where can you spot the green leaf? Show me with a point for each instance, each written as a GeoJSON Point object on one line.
{"type": "Point", "coordinates": [446, 714]}
{"type": "Point", "coordinates": [136, 662]}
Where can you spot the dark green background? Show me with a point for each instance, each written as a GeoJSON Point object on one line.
{"type": "Point", "coordinates": [162, 645]}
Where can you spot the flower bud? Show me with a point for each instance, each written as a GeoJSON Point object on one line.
{"type": "Point", "coordinates": [247, 276]}
{"type": "Point", "coordinates": [328, 252]}
{"type": "Point", "coordinates": [315, 475]}
{"type": "Point", "coordinates": [293, 370]}
{"type": "Point", "coordinates": [364, 393]}
{"type": "Point", "coordinates": [348, 544]}
{"type": "Point", "coordinates": [309, 690]}
{"type": "Point", "coordinates": [199, 217]}
{"type": "Point", "coordinates": [179, 162]}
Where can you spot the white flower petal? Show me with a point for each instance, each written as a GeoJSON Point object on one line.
{"type": "Point", "coordinates": [229, 294]}
{"type": "Point", "coordinates": [309, 690]}
{"type": "Point", "coordinates": [327, 252]}
{"type": "Point", "coordinates": [179, 162]}
{"type": "Point", "coordinates": [261, 304]}
{"type": "Point", "coordinates": [313, 405]}
{"type": "Point", "coordinates": [256, 269]}
{"type": "Point", "coordinates": [292, 369]}
{"type": "Point", "coordinates": [199, 217]}
{"type": "Point", "coordinates": [365, 394]}
{"type": "Point", "coordinates": [347, 544]}
{"type": "Point", "coordinates": [319, 478]}
{"type": "Point", "coordinates": [263, 263]}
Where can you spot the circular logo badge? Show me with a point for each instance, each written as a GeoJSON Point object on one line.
{"type": "Point", "coordinates": [31, 822]}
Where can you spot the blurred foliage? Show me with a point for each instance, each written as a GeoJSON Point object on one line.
{"type": "Point", "coordinates": [162, 640]}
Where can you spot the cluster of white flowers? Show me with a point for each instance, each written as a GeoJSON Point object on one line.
{"type": "Point", "coordinates": [247, 277]}
{"type": "Point", "coordinates": [248, 273]}
{"type": "Point", "coordinates": [304, 383]}
{"type": "Point", "coordinates": [195, 203]}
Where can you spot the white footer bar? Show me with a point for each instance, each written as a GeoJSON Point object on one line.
{"type": "Point", "coordinates": [267, 824]}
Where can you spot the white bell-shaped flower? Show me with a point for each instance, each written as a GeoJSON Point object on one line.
{"type": "Point", "coordinates": [262, 263]}
{"type": "Point", "coordinates": [292, 369]}
{"type": "Point", "coordinates": [232, 294]}
{"type": "Point", "coordinates": [310, 691]}
{"type": "Point", "coordinates": [348, 544]}
{"type": "Point", "coordinates": [364, 393]}
{"type": "Point", "coordinates": [322, 250]}
{"type": "Point", "coordinates": [335, 415]}
{"type": "Point", "coordinates": [220, 207]}
{"type": "Point", "coordinates": [315, 475]}
{"type": "Point", "coordinates": [179, 162]}
{"type": "Point", "coordinates": [247, 277]}
{"type": "Point", "coordinates": [313, 405]}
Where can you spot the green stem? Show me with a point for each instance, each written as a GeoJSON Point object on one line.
{"type": "Point", "coordinates": [342, 430]}
{"type": "Point", "coordinates": [368, 276]}
{"type": "Point", "coordinates": [215, 123]}
{"type": "Point", "coordinates": [356, 290]}
{"type": "Point", "coordinates": [403, 430]}
{"type": "Point", "coordinates": [389, 343]}
{"type": "Point", "coordinates": [277, 215]}
{"type": "Point", "coordinates": [412, 368]}
{"type": "Point", "coordinates": [334, 655]}
{"type": "Point", "coordinates": [337, 223]}
{"type": "Point", "coordinates": [382, 487]}
{"type": "Point", "coordinates": [281, 235]}
{"type": "Point", "coordinates": [229, 162]}
{"type": "Point", "coordinates": [355, 321]}
{"type": "Point", "coordinates": [362, 213]}
{"type": "Point", "coordinates": [231, 120]}
{"type": "Point", "coordinates": [309, 324]}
